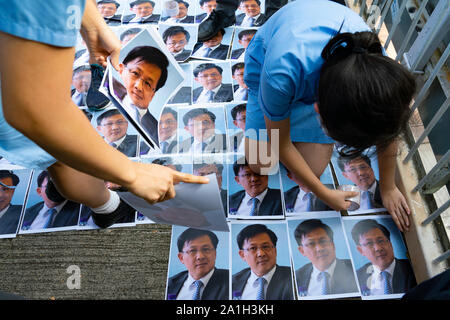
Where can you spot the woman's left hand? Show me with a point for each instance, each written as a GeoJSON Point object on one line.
{"type": "Point", "coordinates": [395, 203]}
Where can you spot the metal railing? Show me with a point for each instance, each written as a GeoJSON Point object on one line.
{"type": "Point", "coordinates": [416, 34]}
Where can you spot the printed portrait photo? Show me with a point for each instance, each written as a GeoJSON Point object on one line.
{"type": "Point", "coordinates": [13, 188]}
{"type": "Point", "coordinates": [111, 11]}
{"type": "Point", "coordinates": [379, 256]}
{"type": "Point", "coordinates": [297, 196]}
{"type": "Point", "coordinates": [251, 195]}
{"type": "Point", "coordinates": [236, 115]}
{"type": "Point", "coordinates": [116, 131]}
{"type": "Point", "coordinates": [261, 268]}
{"type": "Point", "coordinates": [361, 171]}
{"type": "Point", "coordinates": [322, 261]}
{"type": "Point", "coordinates": [198, 265]}
{"type": "Point", "coordinates": [240, 89]}
{"type": "Point", "coordinates": [179, 39]}
{"type": "Point", "coordinates": [46, 209]}
{"type": "Point", "coordinates": [250, 13]}
{"type": "Point", "coordinates": [202, 129]}
{"type": "Point", "coordinates": [178, 11]}
{"type": "Point", "coordinates": [213, 82]}
{"type": "Point", "coordinates": [241, 40]}
{"type": "Point", "coordinates": [138, 12]}
{"type": "Point", "coordinates": [147, 76]}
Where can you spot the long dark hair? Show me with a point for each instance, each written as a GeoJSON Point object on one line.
{"type": "Point", "coordinates": [363, 96]}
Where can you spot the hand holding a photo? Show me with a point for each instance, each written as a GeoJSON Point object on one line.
{"type": "Point", "coordinates": [155, 183]}
{"type": "Point", "coordinates": [100, 39]}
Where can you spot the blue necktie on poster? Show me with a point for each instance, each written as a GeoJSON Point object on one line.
{"type": "Point", "coordinates": [260, 293]}
{"type": "Point", "coordinates": [387, 287]}
{"type": "Point", "coordinates": [254, 210]}
{"type": "Point", "coordinates": [324, 277]}
{"type": "Point", "coordinates": [198, 286]}
{"type": "Point", "coordinates": [51, 212]}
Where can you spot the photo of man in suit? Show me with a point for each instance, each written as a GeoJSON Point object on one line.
{"type": "Point", "coordinates": [81, 81]}
{"type": "Point", "coordinates": [240, 89]}
{"type": "Point", "coordinates": [207, 6]}
{"type": "Point", "coordinates": [167, 128]}
{"type": "Point", "coordinates": [54, 211]}
{"type": "Point", "coordinates": [113, 126]}
{"type": "Point", "coordinates": [384, 273]}
{"type": "Point", "coordinates": [252, 16]}
{"type": "Point", "coordinates": [108, 10]}
{"type": "Point", "coordinates": [176, 38]}
{"type": "Point", "coordinates": [300, 199]}
{"type": "Point", "coordinates": [237, 141]}
{"type": "Point", "coordinates": [204, 169]}
{"type": "Point", "coordinates": [201, 125]}
{"type": "Point", "coordinates": [257, 199]}
{"type": "Point", "coordinates": [263, 279]}
{"type": "Point", "coordinates": [128, 34]}
{"type": "Point", "coordinates": [142, 13]}
{"type": "Point", "coordinates": [209, 76]}
{"type": "Point", "coordinates": [182, 16]}
{"type": "Point", "coordinates": [360, 172]}
{"type": "Point", "coordinates": [143, 72]}
{"type": "Point", "coordinates": [202, 280]}
{"type": "Point", "coordinates": [325, 274]}
{"type": "Point", "coordinates": [244, 38]}
{"type": "Point", "coordinates": [212, 48]}
{"type": "Point", "coordinates": [9, 213]}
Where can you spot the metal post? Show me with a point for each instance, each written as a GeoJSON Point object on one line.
{"type": "Point", "coordinates": [443, 161]}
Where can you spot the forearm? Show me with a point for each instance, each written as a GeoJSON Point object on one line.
{"type": "Point", "coordinates": [387, 166]}
{"type": "Point", "coordinates": [92, 20]}
{"type": "Point", "coordinates": [293, 160]}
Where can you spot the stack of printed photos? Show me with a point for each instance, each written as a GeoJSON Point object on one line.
{"type": "Point", "coordinates": [181, 103]}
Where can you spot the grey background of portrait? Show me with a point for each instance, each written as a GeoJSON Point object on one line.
{"type": "Point", "coordinates": [120, 263]}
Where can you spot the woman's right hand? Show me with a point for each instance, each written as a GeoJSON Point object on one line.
{"type": "Point", "coordinates": [336, 199]}
{"type": "Point", "coordinates": [155, 183]}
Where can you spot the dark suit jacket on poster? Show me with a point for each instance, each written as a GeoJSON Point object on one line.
{"type": "Point", "coordinates": [402, 280]}
{"type": "Point", "coordinates": [290, 198]}
{"type": "Point", "coordinates": [10, 220]}
{"type": "Point", "coordinates": [183, 55]}
{"type": "Point", "coordinates": [270, 206]}
{"type": "Point", "coordinates": [101, 220]}
{"type": "Point", "coordinates": [343, 280]}
{"type": "Point", "coordinates": [154, 18]}
{"type": "Point", "coordinates": [187, 19]}
{"type": "Point", "coordinates": [216, 289]}
{"type": "Point", "coordinates": [217, 144]}
{"type": "Point", "coordinates": [129, 146]}
{"type": "Point", "coordinates": [219, 53]}
{"type": "Point", "coordinates": [114, 20]}
{"type": "Point", "coordinates": [184, 95]}
{"type": "Point", "coordinates": [225, 93]}
{"type": "Point", "coordinates": [260, 21]}
{"type": "Point", "coordinates": [280, 286]}
{"type": "Point", "coordinates": [150, 125]}
{"type": "Point", "coordinates": [235, 54]}
{"type": "Point", "coordinates": [199, 18]}
{"type": "Point", "coordinates": [67, 216]}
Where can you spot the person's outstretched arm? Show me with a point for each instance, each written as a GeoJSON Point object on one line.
{"type": "Point", "coordinates": [35, 82]}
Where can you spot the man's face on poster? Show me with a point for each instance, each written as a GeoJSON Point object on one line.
{"type": "Point", "coordinates": [198, 256]}
{"type": "Point", "coordinates": [201, 127]}
{"type": "Point", "coordinates": [209, 6]}
{"type": "Point", "coordinates": [82, 81]}
{"type": "Point", "coordinates": [142, 10]}
{"type": "Point", "coordinates": [6, 193]}
{"type": "Point", "coordinates": [107, 9]}
{"type": "Point", "coordinates": [253, 183]}
{"type": "Point", "coordinates": [318, 248]}
{"type": "Point", "coordinates": [250, 7]}
{"type": "Point", "coordinates": [376, 247]}
{"type": "Point", "coordinates": [209, 78]}
{"type": "Point", "coordinates": [176, 43]}
{"type": "Point", "coordinates": [210, 169]}
{"type": "Point", "coordinates": [360, 173]}
{"type": "Point", "coordinates": [167, 126]}
{"type": "Point", "coordinates": [259, 253]}
{"type": "Point", "coordinates": [113, 128]}
{"type": "Point", "coordinates": [140, 79]}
